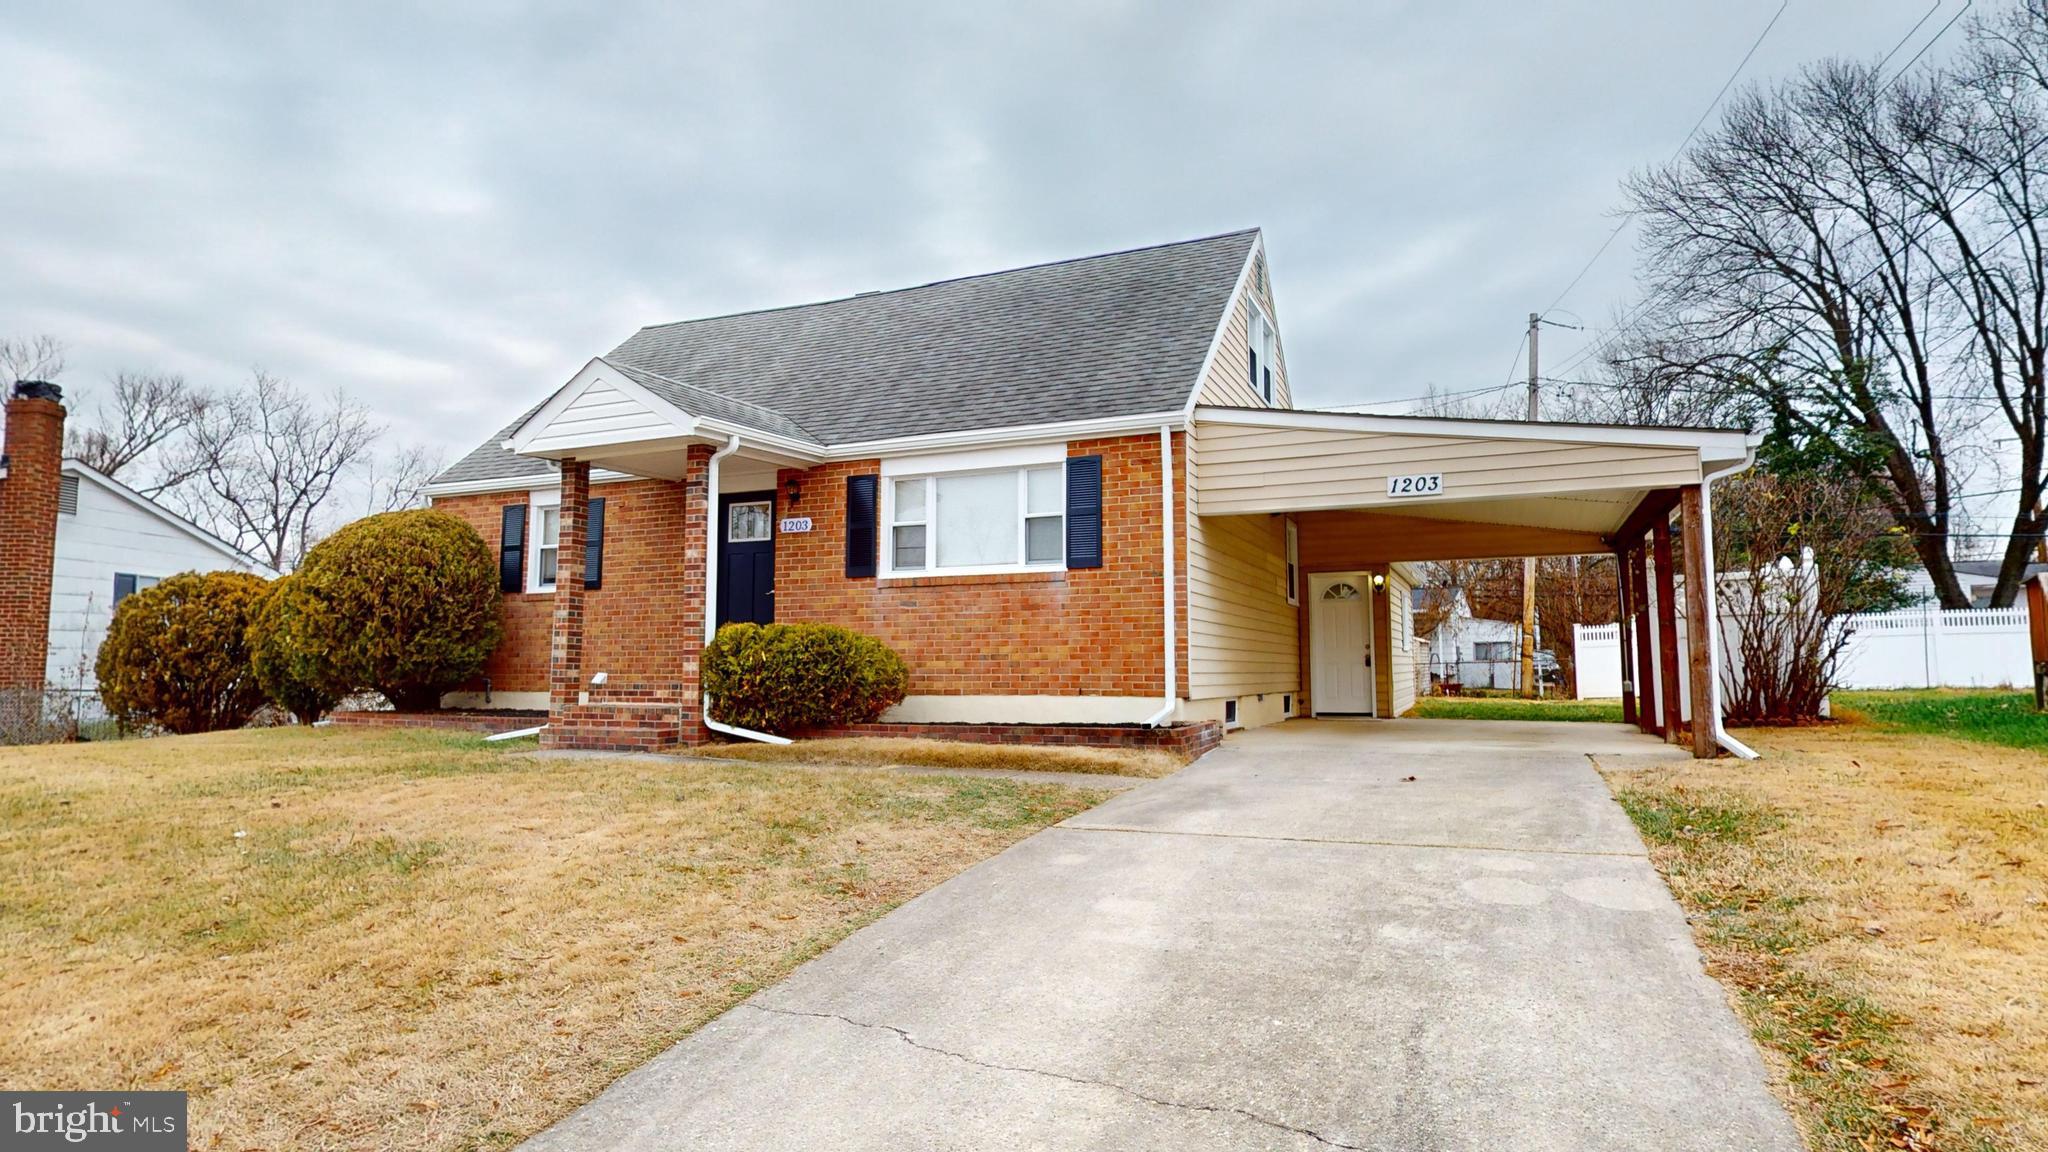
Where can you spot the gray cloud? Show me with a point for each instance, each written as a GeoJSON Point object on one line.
{"type": "Point", "coordinates": [447, 212]}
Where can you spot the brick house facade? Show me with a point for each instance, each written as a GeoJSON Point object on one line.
{"type": "Point", "coordinates": [1074, 497]}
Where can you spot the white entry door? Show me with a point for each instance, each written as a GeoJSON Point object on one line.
{"type": "Point", "coordinates": [1340, 643]}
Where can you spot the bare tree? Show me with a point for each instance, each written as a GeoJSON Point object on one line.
{"type": "Point", "coordinates": [1863, 257]}
{"type": "Point", "coordinates": [267, 460]}
{"type": "Point", "coordinates": [400, 480]}
{"type": "Point", "coordinates": [1798, 557]}
{"type": "Point", "coordinates": [31, 358]}
{"type": "Point", "coordinates": [142, 430]}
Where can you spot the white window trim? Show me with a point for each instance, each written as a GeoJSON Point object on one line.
{"type": "Point", "coordinates": [536, 500]}
{"type": "Point", "coordinates": [1256, 317]}
{"type": "Point", "coordinates": [1016, 460]}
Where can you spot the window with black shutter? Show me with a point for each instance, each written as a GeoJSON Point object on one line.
{"type": "Point", "coordinates": [1084, 511]}
{"type": "Point", "coordinates": [593, 545]}
{"type": "Point", "coordinates": [861, 515]}
{"type": "Point", "coordinates": [512, 549]}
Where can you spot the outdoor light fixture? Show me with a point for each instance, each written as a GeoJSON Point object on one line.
{"type": "Point", "coordinates": [795, 490]}
{"type": "Point", "coordinates": [1379, 581]}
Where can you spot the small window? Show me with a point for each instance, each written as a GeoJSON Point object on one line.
{"type": "Point", "coordinates": [908, 532]}
{"type": "Point", "coordinates": [1341, 591]}
{"type": "Point", "coordinates": [749, 523]}
{"type": "Point", "coordinates": [1293, 565]}
{"type": "Point", "coordinates": [127, 584]}
{"type": "Point", "coordinates": [67, 495]}
{"type": "Point", "coordinates": [1287, 704]}
{"type": "Point", "coordinates": [1264, 344]}
{"type": "Point", "coordinates": [547, 546]}
{"type": "Point", "coordinates": [1229, 713]}
{"type": "Point", "coordinates": [1493, 650]}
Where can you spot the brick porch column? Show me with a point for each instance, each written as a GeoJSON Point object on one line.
{"type": "Point", "coordinates": [28, 534]}
{"type": "Point", "coordinates": [695, 552]}
{"type": "Point", "coordinates": [565, 645]}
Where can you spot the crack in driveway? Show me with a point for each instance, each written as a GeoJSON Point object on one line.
{"type": "Point", "coordinates": [1221, 1109]}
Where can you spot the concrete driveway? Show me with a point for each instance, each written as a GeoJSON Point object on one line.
{"type": "Point", "coordinates": [1289, 945]}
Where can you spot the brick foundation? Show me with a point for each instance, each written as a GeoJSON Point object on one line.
{"type": "Point", "coordinates": [448, 720]}
{"type": "Point", "coordinates": [1190, 740]}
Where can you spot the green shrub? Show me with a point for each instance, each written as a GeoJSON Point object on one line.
{"type": "Point", "coordinates": [176, 656]}
{"type": "Point", "coordinates": [403, 602]}
{"type": "Point", "coordinates": [287, 665]}
{"type": "Point", "coordinates": [790, 677]}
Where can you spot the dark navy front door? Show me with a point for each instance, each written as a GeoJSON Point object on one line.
{"type": "Point", "coordinates": [746, 557]}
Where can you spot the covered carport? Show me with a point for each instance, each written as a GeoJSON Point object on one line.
{"type": "Point", "coordinates": [1363, 495]}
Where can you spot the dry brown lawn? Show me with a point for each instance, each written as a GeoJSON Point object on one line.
{"type": "Point", "coordinates": [1878, 904]}
{"type": "Point", "coordinates": [407, 940]}
{"type": "Point", "coordinates": [882, 752]}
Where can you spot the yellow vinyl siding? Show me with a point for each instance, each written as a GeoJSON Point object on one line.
{"type": "Point", "coordinates": [1247, 469]}
{"type": "Point", "coordinates": [1401, 661]}
{"type": "Point", "coordinates": [1229, 381]}
{"type": "Point", "coordinates": [1241, 630]}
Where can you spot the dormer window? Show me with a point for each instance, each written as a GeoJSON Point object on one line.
{"type": "Point", "coordinates": [1264, 345]}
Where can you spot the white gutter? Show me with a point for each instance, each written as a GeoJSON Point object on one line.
{"type": "Point", "coordinates": [711, 528]}
{"type": "Point", "coordinates": [1715, 640]}
{"type": "Point", "coordinates": [1159, 718]}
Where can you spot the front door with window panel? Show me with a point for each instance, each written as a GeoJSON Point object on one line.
{"type": "Point", "coordinates": [746, 556]}
{"type": "Point", "coordinates": [1340, 644]}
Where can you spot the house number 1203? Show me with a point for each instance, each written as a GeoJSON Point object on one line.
{"type": "Point", "coordinates": [1420, 484]}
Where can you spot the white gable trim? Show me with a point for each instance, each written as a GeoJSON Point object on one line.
{"type": "Point", "coordinates": [184, 526]}
{"type": "Point", "coordinates": [1244, 279]}
{"type": "Point", "coordinates": [1713, 444]}
{"type": "Point", "coordinates": [616, 411]}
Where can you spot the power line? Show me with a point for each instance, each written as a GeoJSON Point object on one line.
{"type": "Point", "coordinates": [1622, 326]}
{"type": "Point", "coordinates": [1680, 150]}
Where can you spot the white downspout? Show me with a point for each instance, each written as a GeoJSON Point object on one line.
{"type": "Point", "coordinates": [1714, 641]}
{"type": "Point", "coordinates": [1165, 713]}
{"type": "Point", "coordinates": [711, 530]}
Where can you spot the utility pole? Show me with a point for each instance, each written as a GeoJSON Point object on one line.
{"type": "Point", "coordinates": [1528, 645]}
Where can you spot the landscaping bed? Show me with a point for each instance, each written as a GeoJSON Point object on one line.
{"type": "Point", "coordinates": [1877, 904]}
{"type": "Point", "coordinates": [405, 939]}
{"type": "Point", "coordinates": [886, 751]}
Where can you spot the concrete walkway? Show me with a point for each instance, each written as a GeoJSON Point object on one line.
{"type": "Point", "coordinates": [1289, 945]}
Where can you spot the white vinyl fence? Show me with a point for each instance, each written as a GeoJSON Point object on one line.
{"type": "Point", "coordinates": [1914, 648]}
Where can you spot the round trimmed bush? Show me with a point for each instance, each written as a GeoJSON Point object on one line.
{"type": "Point", "coordinates": [784, 678]}
{"type": "Point", "coordinates": [287, 666]}
{"type": "Point", "coordinates": [176, 656]}
{"type": "Point", "coordinates": [402, 602]}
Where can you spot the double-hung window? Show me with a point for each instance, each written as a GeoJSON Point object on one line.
{"type": "Point", "coordinates": [545, 530]}
{"type": "Point", "coordinates": [1264, 349]}
{"type": "Point", "coordinates": [967, 522]}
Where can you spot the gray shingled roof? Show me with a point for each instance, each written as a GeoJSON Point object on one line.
{"type": "Point", "coordinates": [1101, 336]}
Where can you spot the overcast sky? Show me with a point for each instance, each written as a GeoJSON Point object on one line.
{"type": "Point", "coordinates": [447, 213]}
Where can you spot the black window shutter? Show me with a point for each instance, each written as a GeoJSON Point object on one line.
{"type": "Point", "coordinates": [1084, 511]}
{"type": "Point", "coordinates": [593, 545]}
{"type": "Point", "coordinates": [512, 550]}
{"type": "Point", "coordinates": [861, 510]}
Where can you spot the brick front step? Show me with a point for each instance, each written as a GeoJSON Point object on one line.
{"type": "Point", "coordinates": [447, 720]}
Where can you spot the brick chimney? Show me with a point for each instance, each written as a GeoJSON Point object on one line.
{"type": "Point", "coordinates": [30, 462]}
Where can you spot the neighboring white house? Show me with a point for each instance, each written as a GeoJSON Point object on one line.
{"type": "Point", "coordinates": [1472, 651]}
{"type": "Point", "coordinates": [111, 541]}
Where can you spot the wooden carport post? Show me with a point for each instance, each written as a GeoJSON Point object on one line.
{"type": "Point", "coordinates": [1667, 629]}
{"type": "Point", "coordinates": [1646, 663]}
{"type": "Point", "coordinates": [1622, 620]}
{"type": "Point", "coordinates": [1697, 625]}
